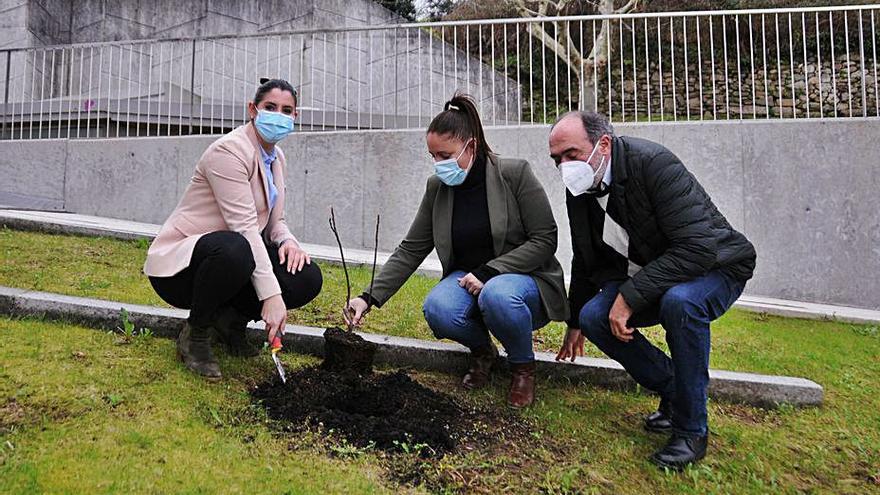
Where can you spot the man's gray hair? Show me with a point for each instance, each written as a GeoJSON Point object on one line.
{"type": "Point", "coordinates": [596, 124]}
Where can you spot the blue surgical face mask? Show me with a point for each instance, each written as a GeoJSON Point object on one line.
{"type": "Point", "coordinates": [273, 126]}
{"type": "Point", "coordinates": [449, 172]}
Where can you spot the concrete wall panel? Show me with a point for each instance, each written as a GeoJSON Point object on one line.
{"type": "Point", "coordinates": [123, 178]}
{"type": "Point", "coordinates": [331, 176]}
{"type": "Point", "coordinates": [33, 177]}
{"type": "Point", "coordinates": [295, 151]}
{"type": "Point", "coordinates": [811, 206]}
{"type": "Point", "coordinates": [394, 183]}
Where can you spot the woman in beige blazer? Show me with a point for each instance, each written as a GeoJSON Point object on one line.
{"type": "Point", "coordinates": [226, 253]}
{"type": "Point", "coordinates": [491, 224]}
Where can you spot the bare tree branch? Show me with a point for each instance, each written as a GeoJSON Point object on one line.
{"type": "Point", "coordinates": [564, 47]}
{"type": "Point", "coordinates": [555, 46]}
{"type": "Point", "coordinates": [526, 10]}
{"type": "Point", "coordinates": [629, 7]}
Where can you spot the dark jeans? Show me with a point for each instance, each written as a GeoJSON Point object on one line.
{"type": "Point", "coordinates": [685, 312]}
{"type": "Point", "coordinates": [509, 307]}
{"type": "Point", "coordinates": [219, 275]}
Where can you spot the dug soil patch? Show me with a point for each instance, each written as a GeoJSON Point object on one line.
{"type": "Point", "coordinates": [347, 351]}
{"type": "Point", "coordinates": [387, 411]}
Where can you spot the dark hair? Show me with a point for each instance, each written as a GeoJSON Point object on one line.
{"type": "Point", "coordinates": [596, 124]}
{"type": "Point", "coordinates": [461, 119]}
{"type": "Point", "coordinates": [267, 85]}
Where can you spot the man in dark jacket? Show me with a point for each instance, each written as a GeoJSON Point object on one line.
{"type": "Point", "coordinates": [649, 247]}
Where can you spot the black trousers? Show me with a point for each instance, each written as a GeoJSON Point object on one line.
{"type": "Point", "coordinates": [219, 275]}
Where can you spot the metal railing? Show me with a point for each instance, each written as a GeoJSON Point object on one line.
{"type": "Point", "coordinates": [716, 65]}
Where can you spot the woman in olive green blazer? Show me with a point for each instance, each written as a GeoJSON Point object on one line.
{"type": "Point", "coordinates": [491, 224]}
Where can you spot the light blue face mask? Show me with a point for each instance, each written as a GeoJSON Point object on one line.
{"type": "Point", "coordinates": [273, 126]}
{"type": "Point", "coordinates": [449, 172]}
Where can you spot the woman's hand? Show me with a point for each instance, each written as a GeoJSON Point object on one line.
{"type": "Point", "coordinates": [289, 252]}
{"type": "Point", "coordinates": [355, 311]}
{"type": "Point", "coordinates": [274, 315]}
{"type": "Point", "coordinates": [471, 283]}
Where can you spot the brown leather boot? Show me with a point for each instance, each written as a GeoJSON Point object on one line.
{"type": "Point", "coordinates": [480, 367]}
{"type": "Point", "coordinates": [522, 385]}
{"type": "Point", "coordinates": [231, 328]}
{"type": "Point", "coordinates": [194, 349]}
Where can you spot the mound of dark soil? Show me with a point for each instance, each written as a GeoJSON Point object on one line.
{"type": "Point", "coordinates": [389, 411]}
{"type": "Point", "coordinates": [347, 350]}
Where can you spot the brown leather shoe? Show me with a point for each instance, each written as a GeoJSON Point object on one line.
{"type": "Point", "coordinates": [194, 349]}
{"type": "Point", "coordinates": [480, 367]}
{"type": "Point", "coordinates": [522, 385]}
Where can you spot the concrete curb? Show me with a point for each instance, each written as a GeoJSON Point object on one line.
{"type": "Point", "coordinates": [74, 224]}
{"type": "Point", "coordinates": [747, 388]}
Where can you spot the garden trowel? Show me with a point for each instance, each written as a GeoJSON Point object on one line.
{"type": "Point", "coordinates": [276, 346]}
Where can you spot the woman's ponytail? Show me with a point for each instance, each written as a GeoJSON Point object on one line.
{"type": "Point", "coordinates": [461, 119]}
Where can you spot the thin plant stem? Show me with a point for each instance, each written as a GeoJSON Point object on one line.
{"type": "Point", "coordinates": [375, 255]}
{"type": "Point", "coordinates": [344, 268]}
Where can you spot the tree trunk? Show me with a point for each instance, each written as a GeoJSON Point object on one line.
{"type": "Point", "coordinates": [595, 61]}
{"type": "Point", "coordinates": [587, 97]}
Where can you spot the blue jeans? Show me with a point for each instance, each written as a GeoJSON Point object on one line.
{"type": "Point", "coordinates": [685, 312]}
{"type": "Point", "coordinates": [509, 306]}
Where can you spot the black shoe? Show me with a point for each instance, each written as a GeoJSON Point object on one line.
{"type": "Point", "coordinates": [194, 349]}
{"type": "Point", "coordinates": [231, 328]}
{"type": "Point", "coordinates": [660, 421]}
{"type": "Point", "coordinates": [680, 451]}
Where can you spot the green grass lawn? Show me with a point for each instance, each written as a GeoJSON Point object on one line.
{"type": "Point", "coordinates": [81, 414]}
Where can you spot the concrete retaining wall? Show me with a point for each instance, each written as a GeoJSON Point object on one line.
{"type": "Point", "coordinates": [804, 192]}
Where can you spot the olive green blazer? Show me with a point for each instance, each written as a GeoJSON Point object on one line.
{"type": "Point", "coordinates": [523, 233]}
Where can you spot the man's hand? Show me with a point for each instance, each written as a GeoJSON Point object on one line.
{"type": "Point", "coordinates": [289, 252]}
{"type": "Point", "coordinates": [471, 283]}
{"type": "Point", "coordinates": [355, 311]}
{"type": "Point", "coordinates": [274, 315]}
{"type": "Point", "coordinates": [572, 346]}
{"type": "Point", "coordinates": [619, 317]}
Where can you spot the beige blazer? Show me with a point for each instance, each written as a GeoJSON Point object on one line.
{"type": "Point", "coordinates": [228, 191]}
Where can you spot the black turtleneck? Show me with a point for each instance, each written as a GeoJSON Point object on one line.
{"type": "Point", "coordinates": [472, 244]}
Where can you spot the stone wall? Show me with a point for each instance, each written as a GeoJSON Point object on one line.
{"type": "Point", "coordinates": [810, 90]}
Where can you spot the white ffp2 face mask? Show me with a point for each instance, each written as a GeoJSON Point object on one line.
{"type": "Point", "coordinates": [579, 176]}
